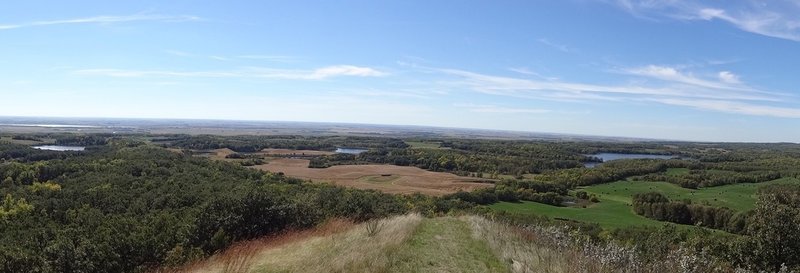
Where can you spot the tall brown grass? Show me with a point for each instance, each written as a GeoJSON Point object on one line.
{"type": "Point", "coordinates": [558, 250]}
{"type": "Point", "coordinates": [338, 246]}
{"type": "Point", "coordinates": [240, 257]}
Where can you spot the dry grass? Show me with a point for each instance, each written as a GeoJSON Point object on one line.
{"type": "Point", "coordinates": [336, 247]}
{"type": "Point", "coordinates": [557, 250]}
{"type": "Point", "coordinates": [404, 179]}
{"type": "Point", "coordinates": [240, 257]}
{"type": "Point", "coordinates": [354, 251]}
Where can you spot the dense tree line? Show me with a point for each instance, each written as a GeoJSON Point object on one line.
{"type": "Point", "coordinates": [656, 206]}
{"type": "Point", "coordinates": [704, 178]}
{"type": "Point", "coordinates": [257, 143]}
{"type": "Point", "coordinates": [127, 209]}
{"type": "Point", "coordinates": [23, 153]}
{"type": "Point", "coordinates": [511, 190]}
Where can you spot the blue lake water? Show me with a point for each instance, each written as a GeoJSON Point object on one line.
{"type": "Point", "coordinates": [614, 156]}
{"type": "Point", "coordinates": [353, 151]}
{"type": "Point", "coordinates": [60, 148]}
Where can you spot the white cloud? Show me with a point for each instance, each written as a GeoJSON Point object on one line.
{"type": "Point", "coordinates": [528, 88]}
{"type": "Point", "coordinates": [736, 107]}
{"type": "Point", "coordinates": [488, 108]}
{"type": "Point", "coordinates": [778, 19]}
{"type": "Point", "coordinates": [526, 71]}
{"type": "Point", "coordinates": [729, 77]}
{"type": "Point", "coordinates": [727, 94]}
{"type": "Point", "coordinates": [106, 20]}
{"type": "Point", "coordinates": [345, 70]}
{"type": "Point", "coordinates": [557, 46]}
{"type": "Point", "coordinates": [255, 72]}
{"type": "Point", "coordinates": [727, 80]}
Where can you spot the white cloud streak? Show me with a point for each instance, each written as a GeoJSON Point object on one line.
{"type": "Point", "coordinates": [722, 93]}
{"type": "Point", "coordinates": [105, 19]}
{"type": "Point", "coordinates": [316, 74]}
{"type": "Point", "coordinates": [557, 46]}
{"type": "Point", "coordinates": [488, 108]}
{"type": "Point", "coordinates": [735, 107]}
{"type": "Point", "coordinates": [778, 19]}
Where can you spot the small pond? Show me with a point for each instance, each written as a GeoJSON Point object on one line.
{"type": "Point", "coordinates": [614, 156]}
{"type": "Point", "coordinates": [60, 148]}
{"type": "Point", "coordinates": [352, 151]}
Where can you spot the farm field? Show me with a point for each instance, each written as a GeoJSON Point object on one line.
{"type": "Point", "coordinates": [614, 210]}
{"type": "Point", "coordinates": [385, 178]}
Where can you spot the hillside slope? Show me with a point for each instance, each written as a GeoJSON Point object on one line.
{"type": "Point", "coordinates": [411, 243]}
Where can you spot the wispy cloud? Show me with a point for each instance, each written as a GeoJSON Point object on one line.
{"type": "Point", "coordinates": [779, 18]}
{"type": "Point", "coordinates": [726, 80]}
{"type": "Point", "coordinates": [269, 58]}
{"type": "Point", "coordinates": [526, 71]}
{"type": "Point", "coordinates": [724, 92]}
{"type": "Point", "coordinates": [253, 72]}
{"type": "Point", "coordinates": [273, 58]}
{"type": "Point", "coordinates": [557, 46]}
{"type": "Point", "coordinates": [489, 108]}
{"type": "Point", "coordinates": [105, 19]}
{"type": "Point", "coordinates": [736, 107]}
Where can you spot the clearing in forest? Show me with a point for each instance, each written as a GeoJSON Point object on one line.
{"type": "Point", "coordinates": [385, 178]}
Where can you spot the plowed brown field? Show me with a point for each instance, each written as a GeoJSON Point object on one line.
{"type": "Point", "coordinates": [385, 178]}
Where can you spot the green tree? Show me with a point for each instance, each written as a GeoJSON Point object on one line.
{"type": "Point", "coordinates": [775, 233]}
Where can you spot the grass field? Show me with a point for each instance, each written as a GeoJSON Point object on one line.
{"type": "Point", "coordinates": [614, 209]}
{"type": "Point", "coordinates": [677, 171]}
{"type": "Point", "coordinates": [407, 243]}
{"type": "Point", "coordinates": [386, 178]}
{"type": "Point", "coordinates": [607, 213]}
{"type": "Point", "coordinates": [737, 196]}
{"type": "Point", "coordinates": [424, 145]}
{"type": "Point", "coordinates": [25, 142]}
{"type": "Point", "coordinates": [379, 178]}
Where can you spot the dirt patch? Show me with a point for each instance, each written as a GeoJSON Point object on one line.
{"type": "Point", "coordinates": [386, 178]}
{"type": "Point", "coordinates": [216, 154]}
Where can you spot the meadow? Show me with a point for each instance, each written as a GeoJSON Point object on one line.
{"type": "Point", "coordinates": [614, 209]}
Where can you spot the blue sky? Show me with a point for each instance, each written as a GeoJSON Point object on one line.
{"type": "Point", "coordinates": [688, 70]}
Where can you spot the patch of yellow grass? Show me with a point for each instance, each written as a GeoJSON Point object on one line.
{"type": "Point", "coordinates": [353, 251]}
{"type": "Point", "coordinates": [509, 245]}
{"type": "Point", "coordinates": [366, 247]}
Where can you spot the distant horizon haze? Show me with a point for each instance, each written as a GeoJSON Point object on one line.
{"type": "Point", "coordinates": [686, 70]}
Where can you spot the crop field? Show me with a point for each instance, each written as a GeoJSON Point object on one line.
{"type": "Point", "coordinates": [614, 209]}
{"type": "Point", "coordinates": [386, 178]}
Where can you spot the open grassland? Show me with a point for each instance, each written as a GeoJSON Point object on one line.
{"type": "Point", "coordinates": [369, 247]}
{"type": "Point", "coordinates": [615, 211]}
{"type": "Point", "coordinates": [386, 178]}
{"type": "Point", "coordinates": [410, 243]}
{"type": "Point", "coordinates": [25, 141]}
{"type": "Point", "coordinates": [425, 145]}
{"type": "Point", "coordinates": [607, 213]}
{"type": "Point", "coordinates": [677, 171]}
{"type": "Point", "coordinates": [446, 245]}
{"type": "Point", "coordinates": [216, 154]}
{"type": "Point", "coordinates": [736, 196]}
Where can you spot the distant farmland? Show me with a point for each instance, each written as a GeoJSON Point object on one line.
{"type": "Point", "coordinates": [385, 178]}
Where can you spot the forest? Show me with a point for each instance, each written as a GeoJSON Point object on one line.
{"type": "Point", "coordinates": [127, 204]}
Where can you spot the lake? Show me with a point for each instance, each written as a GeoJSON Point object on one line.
{"type": "Point", "coordinates": [352, 151]}
{"type": "Point", "coordinates": [614, 156]}
{"type": "Point", "coordinates": [60, 148]}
